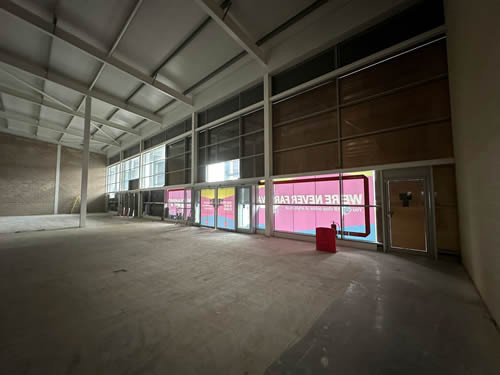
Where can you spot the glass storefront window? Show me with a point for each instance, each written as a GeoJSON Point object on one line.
{"type": "Point", "coordinates": [224, 171]}
{"type": "Point", "coordinates": [113, 178]}
{"type": "Point", "coordinates": [153, 168]}
{"type": "Point", "coordinates": [178, 204]}
{"type": "Point", "coordinates": [348, 200]}
{"type": "Point", "coordinates": [129, 171]}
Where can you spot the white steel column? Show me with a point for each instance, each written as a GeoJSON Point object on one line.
{"type": "Point", "coordinates": [139, 192]}
{"type": "Point", "coordinates": [268, 154]}
{"type": "Point", "coordinates": [58, 171]}
{"type": "Point", "coordinates": [194, 150]}
{"type": "Point", "coordinates": [85, 162]}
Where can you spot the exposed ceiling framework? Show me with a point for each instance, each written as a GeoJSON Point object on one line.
{"type": "Point", "coordinates": [133, 57]}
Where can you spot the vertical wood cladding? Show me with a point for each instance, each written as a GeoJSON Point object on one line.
{"type": "Point", "coordinates": [394, 111]}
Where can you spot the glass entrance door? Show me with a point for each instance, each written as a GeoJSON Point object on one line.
{"type": "Point", "coordinates": [225, 208]}
{"type": "Point", "coordinates": [207, 208]}
{"type": "Point", "coordinates": [407, 214]}
{"type": "Point", "coordinates": [244, 209]}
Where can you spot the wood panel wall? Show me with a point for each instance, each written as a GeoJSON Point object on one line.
{"type": "Point", "coordinates": [395, 111]}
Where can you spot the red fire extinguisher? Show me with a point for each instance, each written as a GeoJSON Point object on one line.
{"type": "Point", "coordinates": [334, 227]}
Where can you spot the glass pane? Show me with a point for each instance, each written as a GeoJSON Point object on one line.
{"type": "Point", "coordinates": [311, 130]}
{"type": "Point", "coordinates": [228, 170]}
{"type": "Point", "coordinates": [225, 210]}
{"type": "Point", "coordinates": [228, 150]}
{"type": "Point", "coordinates": [425, 142]}
{"type": "Point", "coordinates": [223, 132]}
{"type": "Point", "coordinates": [358, 188]}
{"type": "Point", "coordinates": [175, 149]}
{"type": "Point", "coordinates": [260, 216]}
{"type": "Point", "coordinates": [188, 212]}
{"type": "Point", "coordinates": [253, 144]}
{"type": "Point", "coordinates": [395, 72]}
{"type": "Point", "coordinates": [308, 159]}
{"type": "Point", "coordinates": [303, 204]}
{"type": "Point", "coordinates": [176, 204]}
{"type": "Point", "coordinates": [197, 208]}
{"type": "Point", "coordinates": [244, 208]}
{"type": "Point", "coordinates": [207, 209]}
{"type": "Point", "coordinates": [260, 208]}
{"type": "Point", "coordinates": [359, 223]}
{"type": "Point", "coordinates": [419, 104]}
{"type": "Point", "coordinates": [252, 122]}
{"type": "Point", "coordinates": [304, 219]}
{"type": "Point", "coordinates": [311, 101]}
{"type": "Point", "coordinates": [407, 212]}
{"type": "Point", "coordinates": [175, 163]}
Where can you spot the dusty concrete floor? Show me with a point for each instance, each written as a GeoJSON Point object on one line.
{"type": "Point", "coordinates": [13, 224]}
{"type": "Point", "coordinates": [136, 297]}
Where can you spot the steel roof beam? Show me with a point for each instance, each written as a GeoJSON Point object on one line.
{"type": "Point", "coordinates": [233, 30]}
{"type": "Point", "coordinates": [47, 28]}
{"type": "Point", "coordinates": [42, 73]}
{"type": "Point", "coordinates": [20, 133]}
{"type": "Point", "coordinates": [110, 53]}
{"type": "Point", "coordinates": [34, 122]}
{"type": "Point", "coordinates": [36, 100]}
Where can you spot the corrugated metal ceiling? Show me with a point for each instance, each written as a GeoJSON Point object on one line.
{"type": "Point", "coordinates": [157, 29]}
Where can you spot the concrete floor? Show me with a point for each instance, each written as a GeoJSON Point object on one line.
{"type": "Point", "coordinates": [138, 297]}
{"type": "Point", "coordinates": [16, 224]}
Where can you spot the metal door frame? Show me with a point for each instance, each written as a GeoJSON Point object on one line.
{"type": "Point", "coordinates": [252, 214]}
{"type": "Point", "coordinates": [234, 207]}
{"type": "Point", "coordinates": [425, 174]}
{"type": "Point", "coordinates": [215, 188]}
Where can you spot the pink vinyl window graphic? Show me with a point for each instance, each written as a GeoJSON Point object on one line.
{"type": "Point", "coordinates": [179, 207]}
{"type": "Point", "coordinates": [301, 205]}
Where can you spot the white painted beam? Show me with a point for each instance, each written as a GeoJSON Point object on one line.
{"type": "Point", "coordinates": [34, 122]}
{"type": "Point", "coordinates": [122, 32]}
{"type": "Point", "coordinates": [233, 30]}
{"type": "Point", "coordinates": [20, 133]}
{"type": "Point", "coordinates": [19, 64]}
{"type": "Point", "coordinates": [85, 162]}
{"type": "Point", "coordinates": [268, 155]}
{"type": "Point", "coordinates": [58, 173]}
{"type": "Point", "coordinates": [36, 100]}
{"type": "Point", "coordinates": [194, 149]}
{"type": "Point", "coordinates": [47, 28]}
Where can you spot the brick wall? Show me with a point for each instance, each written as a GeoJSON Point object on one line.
{"type": "Point", "coordinates": [28, 174]}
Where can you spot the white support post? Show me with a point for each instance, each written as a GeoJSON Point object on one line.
{"type": "Point", "coordinates": [268, 154]}
{"type": "Point", "coordinates": [139, 193]}
{"type": "Point", "coordinates": [85, 162]}
{"type": "Point", "coordinates": [58, 172]}
{"type": "Point", "coordinates": [194, 149]}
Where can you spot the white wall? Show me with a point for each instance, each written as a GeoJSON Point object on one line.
{"type": "Point", "coordinates": [474, 66]}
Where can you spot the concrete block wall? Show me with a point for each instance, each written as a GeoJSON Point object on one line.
{"type": "Point", "coordinates": [28, 176]}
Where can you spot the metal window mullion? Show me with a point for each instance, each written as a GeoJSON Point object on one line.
{"type": "Point", "coordinates": [339, 127]}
